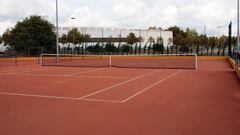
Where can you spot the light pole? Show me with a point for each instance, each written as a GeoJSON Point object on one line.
{"type": "Point", "coordinates": [57, 42]}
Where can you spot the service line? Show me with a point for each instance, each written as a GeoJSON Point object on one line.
{"type": "Point", "coordinates": [88, 71]}
{"type": "Point", "coordinates": [166, 78]}
{"type": "Point", "coordinates": [108, 88]}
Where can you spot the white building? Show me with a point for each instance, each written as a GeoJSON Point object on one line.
{"type": "Point", "coordinates": [106, 32]}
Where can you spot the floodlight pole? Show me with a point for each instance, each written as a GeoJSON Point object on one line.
{"type": "Point", "coordinates": [238, 36]}
{"type": "Point", "coordinates": [57, 34]}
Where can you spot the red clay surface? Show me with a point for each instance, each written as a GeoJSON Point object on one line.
{"type": "Point", "coordinates": [119, 101]}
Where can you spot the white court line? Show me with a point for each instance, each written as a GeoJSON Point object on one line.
{"type": "Point", "coordinates": [100, 100]}
{"type": "Point", "coordinates": [118, 84]}
{"type": "Point", "coordinates": [41, 75]}
{"type": "Point", "coordinates": [38, 96]}
{"type": "Point", "coordinates": [151, 86]}
{"type": "Point", "coordinates": [88, 71]}
{"type": "Point", "coordinates": [56, 97]}
{"type": "Point", "coordinates": [96, 100]}
{"type": "Point", "coordinates": [110, 77]}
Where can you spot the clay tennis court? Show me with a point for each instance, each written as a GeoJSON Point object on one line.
{"type": "Point", "coordinates": [120, 101]}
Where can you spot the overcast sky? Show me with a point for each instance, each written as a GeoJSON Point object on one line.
{"type": "Point", "coordinates": [126, 13]}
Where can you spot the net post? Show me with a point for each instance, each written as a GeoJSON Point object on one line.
{"type": "Point", "coordinates": [196, 61]}
{"type": "Point", "coordinates": [110, 61]}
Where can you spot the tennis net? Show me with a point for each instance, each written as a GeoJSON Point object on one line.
{"type": "Point", "coordinates": [173, 61]}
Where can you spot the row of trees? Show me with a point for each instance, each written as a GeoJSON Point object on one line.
{"type": "Point", "coordinates": [110, 49]}
{"type": "Point", "coordinates": [75, 38]}
{"type": "Point", "coordinates": [35, 35]}
{"type": "Point", "coordinates": [190, 42]}
{"type": "Point", "coordinates": [75, 42]}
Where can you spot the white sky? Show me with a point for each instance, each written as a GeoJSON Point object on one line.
{"type": "Point", "coordinates": [126, 13]}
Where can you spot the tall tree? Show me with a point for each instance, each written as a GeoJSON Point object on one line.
{"type": "Point", "coordinates": [141, 40]}
{"type": "Point", "coordinates": [207, 45]}
{"type": "Point", "coordinates": [196, 43]}
{"type": "Point", "coordinates": [176, 31]}
{"type": "Point", "coordinates": [32, 36]}
{"type": "Point", "coordinates": [110, 48]}
{"type": "Point", "coordinates": [90, 49]}
{"type": "Point", "coordinates": [184, 47]}
{"type": "Point", "coordinates": [72, 37]}
{"type": "Point", "coordinates": [98, 48]}
{"type": "Point", "coordinates": [190, 37]}
{"type": "Point", "coordinates": [151, 41]}
{"type": "Point", "coordinates": [79, 40]}
{"type": "Point", "coordinates": [222, 44]}
{"type": "Point", "coordinates": [211, 43]}
{"type": "Point", "coordinates": [177, 42]}
{"type": "Point", "coordinates": [132, 39]}
{"type": "Point", "coordinates": [6, 38]}
{"type": "Point", "coordinates": [125, 49]}
{"type": "Point", "coordinates": [203, 42]}
{"type": "Point", "coordinates": [178, 37]}
{"type": "Point", "coordinates": [86, 40]}
{"type": "Point", "coordinates": [158, 47]}
{"type": "Point", "coordinates": [64, 40]}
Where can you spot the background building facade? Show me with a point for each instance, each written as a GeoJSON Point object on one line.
{"type": "Point", "coordinates": [107, 32]}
